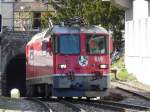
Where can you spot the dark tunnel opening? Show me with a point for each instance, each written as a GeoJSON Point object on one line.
{"type": "Point", "coordinates": [15, 75]}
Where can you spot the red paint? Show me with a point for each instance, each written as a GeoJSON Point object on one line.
{"type": "Point", "coordinates": [42, 65]}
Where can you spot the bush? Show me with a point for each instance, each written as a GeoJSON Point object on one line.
{"type": "Point", "coordinates": [122, 73]}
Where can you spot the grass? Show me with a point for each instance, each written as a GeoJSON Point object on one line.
{"type": "Point", "coordinates": [122, 73]}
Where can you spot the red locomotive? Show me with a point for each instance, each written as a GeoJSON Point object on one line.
{"type": "Point", "coordinates": [69, 60]}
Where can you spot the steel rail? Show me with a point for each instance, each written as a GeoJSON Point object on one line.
{"type": "Point", "coordinates": [47, 108]}
{"type": "Point", "coordinates": [123, 105]}
{"type": "Point", "coordinates": [71, 105]}
{"type": "Point", "coordinates": [134, 93]}
{"type": "Point", "coordinates": [99, 105]}
{"type": "Point", "coordinates": [126, 84]}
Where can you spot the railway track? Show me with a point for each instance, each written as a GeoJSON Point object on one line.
{"type": "Point", "coordinates": [116, 106]}
{"type": "Point", "coordinates": [134, 93]}
{"type": "Point", "coordinates": [65, 104]}
{"type": "Point", "coordinates": [80, 105]}
{"type": "Point", "coordinates": [73, 104]}
{"type": "Point", "coordinates": [98, 105]}
{"type": "Point", "coordinates": [129, 85]}
{"type": "Point", "coordinates": [125, 106]}
{"type": "Point", "coordinates": [42, 103]}
{"type": "Point", "coordinates": [133, 90]}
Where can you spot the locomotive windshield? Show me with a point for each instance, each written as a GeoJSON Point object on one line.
{"type": "Point", "coordinates": [96, 44]}
{"type": "Point", "coordinates": [69, 44]}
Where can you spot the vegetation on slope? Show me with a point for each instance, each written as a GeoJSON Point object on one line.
{"type": "Point", "coordinates": [122, 73]}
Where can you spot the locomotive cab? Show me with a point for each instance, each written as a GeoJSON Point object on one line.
{"type": "Point", "coordinates": [82, 64]}
{"type": "Point", "coordinates": [69, 61]}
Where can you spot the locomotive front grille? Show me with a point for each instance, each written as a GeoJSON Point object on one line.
{"type": "Point", "coordinates": [81, 82]}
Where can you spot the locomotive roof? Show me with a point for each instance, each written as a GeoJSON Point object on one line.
{"type": "Point", "coordinates": [63, 30]}
{"type": "Point", "coordinates": [90, 29]}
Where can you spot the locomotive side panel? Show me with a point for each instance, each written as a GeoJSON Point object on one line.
{"type": "Point", "coordinates": [40, 59]}
{"type": "Point", "coordinates": [43, 59]}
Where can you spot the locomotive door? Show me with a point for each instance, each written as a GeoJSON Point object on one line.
{"type": "Point", "coordinates": [31, 58]}
{"type": "Point", "coordinates": [0, 23]}
{"type": "Point", "coordinates": [46, 57]}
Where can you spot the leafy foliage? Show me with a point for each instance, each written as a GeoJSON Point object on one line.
{"type": "Point", "coordinates": [122, 73]}
{"type": "Point", "coordinates": [95, 12]}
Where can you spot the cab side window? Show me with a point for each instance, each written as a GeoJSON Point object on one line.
{"type": "Point", "coordinates": [96, 44]}
{"type": "Point", "coordinates": [44, 48]}
{"type": "Point", "coordinates": [31, 53]}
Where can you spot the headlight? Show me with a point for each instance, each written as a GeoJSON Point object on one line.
{"type": "Point", "coordinates": [103, 66]}
{"type": "Point", "coordinates": [62, 66]}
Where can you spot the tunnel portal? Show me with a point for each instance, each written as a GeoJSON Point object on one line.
{"type": "Point", "coordinates": [15, 75]}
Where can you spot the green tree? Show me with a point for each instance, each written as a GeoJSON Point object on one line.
{"type": "Point", "coordinates": [95, 12]}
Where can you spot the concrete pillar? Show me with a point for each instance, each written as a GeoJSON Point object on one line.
{"type": "Point", "coordinates": [149, 9]}
{"type": "Point", "coordinates": [122, 3]}
{"type": "Point", "coordinates": [140, 9]}
{"type": "Point", "coordinates": [7, 12]}
{"type": "Point", "coordinates": [137, 41]}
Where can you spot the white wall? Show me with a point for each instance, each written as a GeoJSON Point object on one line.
{"type": "Point", "coordinates": [7, 13]}
{"type": "Point", "coordinates": [140, 9]}
{"type": "Point", "coordinates": [0, 8]}
{"type": "Point", "coordinates": [7, 0]}
{"type": "Point", "coordinates": [149, 9]}
{"type": "Point", "coordinates": [137, 41]}
{"type": "Point", "coordinates": [137, 48]}
{"type": "Point", "coordinates": [129, 14]}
